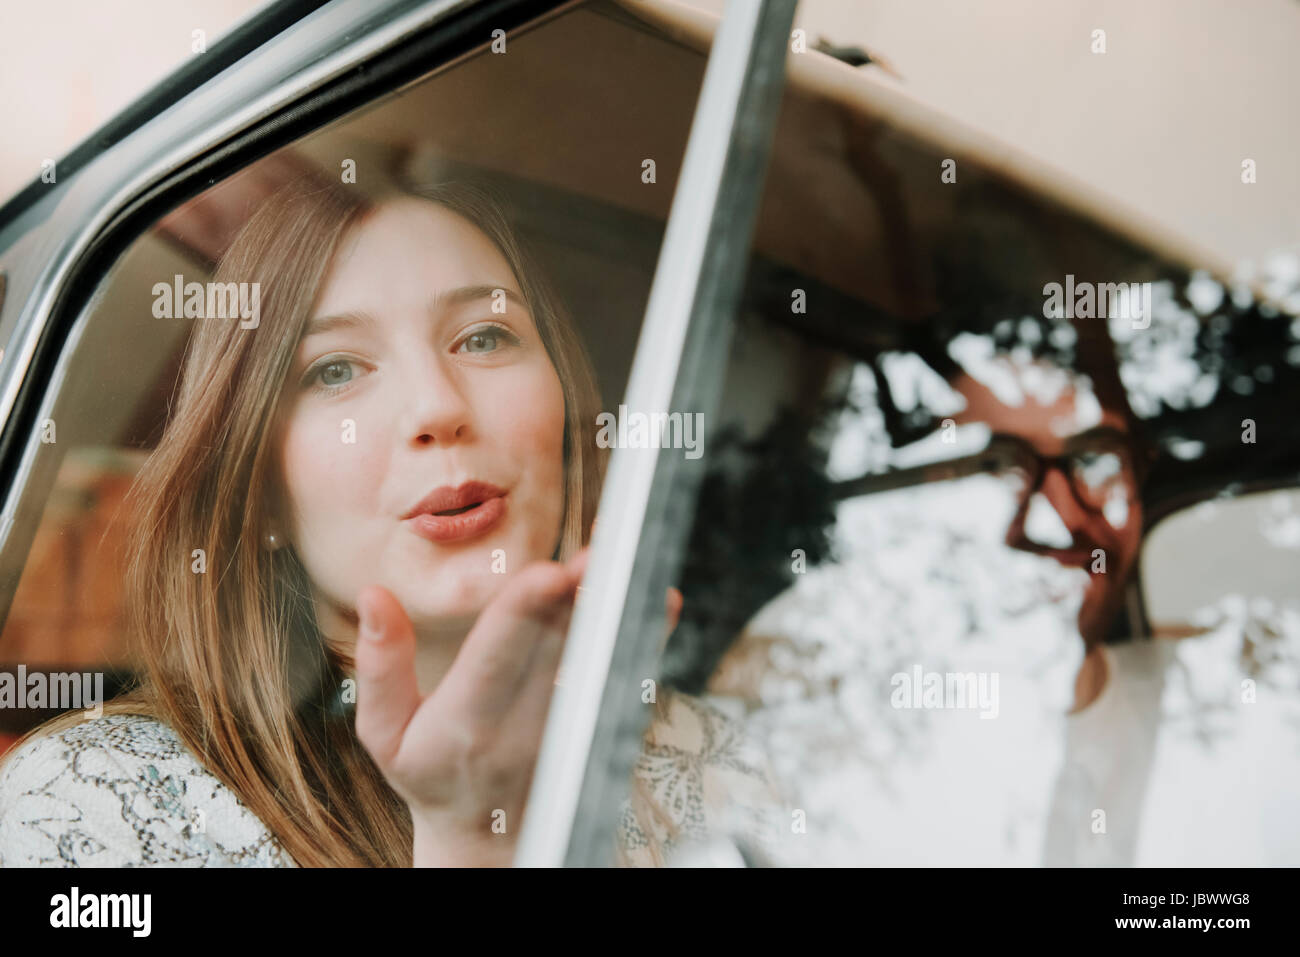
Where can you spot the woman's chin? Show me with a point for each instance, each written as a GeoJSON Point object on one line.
{"type": "Point", "coordinates": [449, 614]}
{"type": "Point", "coordinates": [441, 605]}
{"type": "Point", "coordinates": [443, 625]}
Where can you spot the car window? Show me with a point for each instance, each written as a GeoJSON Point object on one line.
{"type": "Point", "coordinates": [895, 572]}
{"type": "Point", "coordinates": [553, 127]}
{"type": "Point", "coordinates": [913, 577]}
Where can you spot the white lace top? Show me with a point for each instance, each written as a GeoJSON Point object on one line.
{"type": "Point", "coordinates": [123, 791]}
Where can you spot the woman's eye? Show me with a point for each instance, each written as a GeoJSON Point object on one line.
{"type": "Point", "coordinates": [488, 339]}
{"type": "Point", "coordinates": [336, 373]}
{"type": "Point", "coordinates": [330, 376]}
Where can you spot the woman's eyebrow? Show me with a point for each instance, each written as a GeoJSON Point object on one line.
{"type": "Point", "coordinates": [449, 297]}
{"type": "Point", "coordinates": [465, 294]}
{"type": "Point", "coordinates": [323, 324]}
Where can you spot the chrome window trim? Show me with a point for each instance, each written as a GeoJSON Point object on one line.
{"type": "Point", "coordinates": [680, 357]}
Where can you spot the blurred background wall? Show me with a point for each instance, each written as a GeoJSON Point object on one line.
{"type": "Point", "coordinates": [69, 66]}
{"type": "Point", "coordinates": [1162, 120]}
{"type": "Point", "coordinates": [1185, 91]}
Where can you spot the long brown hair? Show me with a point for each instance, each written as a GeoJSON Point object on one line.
{"type": "Point", "coordinates": [233, 658]}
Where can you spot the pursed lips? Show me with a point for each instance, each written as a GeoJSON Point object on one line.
{"type": "Point", "coordinates": [457, 513]}
{"type": "Point", "coordinates": [448, 499]}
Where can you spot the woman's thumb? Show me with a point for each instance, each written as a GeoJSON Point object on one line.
{"type": "Point", "coordinates": [387, 692]}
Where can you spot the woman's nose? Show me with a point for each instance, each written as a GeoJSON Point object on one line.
{"type": "Point", "coordinates": [1060, 495]}
{"type": "Point", "coordinates": [1049, 518]}
{"type": "Point", "coordinates": [435, 409]}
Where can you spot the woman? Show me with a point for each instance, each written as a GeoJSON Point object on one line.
{"type": "Point", "coordinates": [380, 494]}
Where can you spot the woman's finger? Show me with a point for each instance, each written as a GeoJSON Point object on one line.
{"type": "Point", "coordinates": [387, 691]}
{"type": "Point", "coordinates": [495, 657]}
{"type": "Point", "coordinates": [541, 673]}
{"type": "Point", "coordinates": [577, 565]}
{"type": "Point", "coordinates": [673, 612]}
{"type": "Point", "coordinates": [533, 697]}
{"type": "Point", "coordinates": [674, 608]}
{"type": "Point", "coordinates": [546, 659]}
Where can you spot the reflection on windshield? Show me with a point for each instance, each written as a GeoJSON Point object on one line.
{"type": "Point", "coordinates": [962, 673]}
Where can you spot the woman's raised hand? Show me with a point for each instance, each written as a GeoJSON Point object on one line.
{"type": "Point", "coordinates": [463, 757]}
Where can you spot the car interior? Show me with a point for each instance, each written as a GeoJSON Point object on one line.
{"type": "Point", "coordinates": [865, 258]}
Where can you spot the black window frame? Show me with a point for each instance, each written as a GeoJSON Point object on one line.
{"type": "Point", "coordinates": [597, 719]}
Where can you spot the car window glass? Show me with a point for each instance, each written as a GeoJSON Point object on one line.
{"type": "Point", "coordinates": [950, 414]}
{"type": "Point", "coordinates": [555, 128]}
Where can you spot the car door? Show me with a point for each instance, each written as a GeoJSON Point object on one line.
{"type": "Point", "coordinates": [896, 578]}
{"type": "Point", "coordinates": [576, 114]}
{"type": "Point", "coordinates": [755, 239]}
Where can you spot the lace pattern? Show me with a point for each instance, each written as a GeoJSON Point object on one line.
{"type": "Point", "coordinates": [124, 791]}
{"type": "Point", "coordinates": [706, 780]}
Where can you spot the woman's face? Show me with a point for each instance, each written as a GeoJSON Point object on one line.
{"type": "Point", "coordinates": [421, 428]}
{"type": "Point", "coordinates": [1049, 409]}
